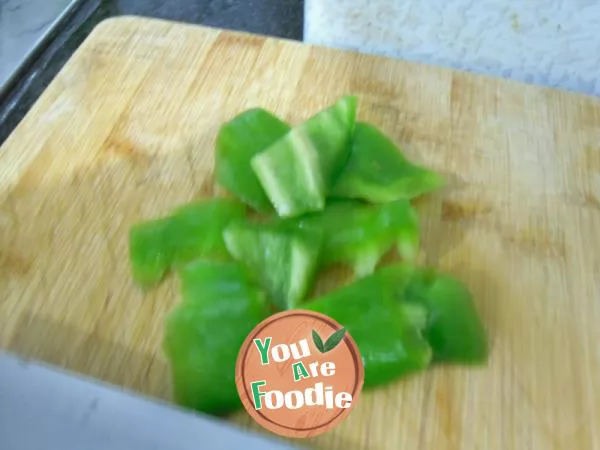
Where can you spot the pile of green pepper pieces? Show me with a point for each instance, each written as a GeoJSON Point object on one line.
{"type": "Point", "coordinates": [330, 190]}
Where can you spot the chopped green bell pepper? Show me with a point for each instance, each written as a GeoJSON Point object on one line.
{"type": "Point", "coordinates": [359, 234]}
{"type": "Point", "coordinates": [238, 141]}
{"type": "Point", "coordinates": [387, 332]}
{"type": "Point", "coordinates": [204, 334]}
{"type": "Point", "coordinates": [191, 231]}
{"type": "Point", "coordinates": [454, 329]}
{"type": "Point", "coordinates": [378, 172]}
{"type": "Point", "coordinates": [283, 258]}
{"type": "Point", "coordinates": [297, 170]}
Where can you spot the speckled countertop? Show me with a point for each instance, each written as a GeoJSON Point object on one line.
{"type": "Point", "coordinates": [554, 43]}
{"type": "Point", "coordinates": [281, 18]}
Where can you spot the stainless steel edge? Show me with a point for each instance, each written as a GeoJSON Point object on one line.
{"type": "Point", "coordinates": [43, 408]}
{"type": "Point", "coordinates": [30, 52]}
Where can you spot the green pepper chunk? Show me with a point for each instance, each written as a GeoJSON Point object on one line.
{"type": "Point", "coordinates": [283, 258]}
{"type": "Point", "coordinates": [204, 334]}
{"type": "Point", "coordinates": [297, 170]}
{"type": "Point", "coordinates": [191, 231]}
{"type": "Point", "coordinates": [387, 332]}
{"type": "Point", "coordinates": [359, 234]}
{"type": "Point", "coordinates": [238, 141]}
{"type": "Point", "coordinates": [378, 172]}
{"type": "Point", "coordinates": [454, 329]}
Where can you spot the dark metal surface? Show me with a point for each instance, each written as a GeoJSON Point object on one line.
{"type": "Point", "coordinates": [42, 407]}
{"type": "Point", "coordinates": [25, 27]}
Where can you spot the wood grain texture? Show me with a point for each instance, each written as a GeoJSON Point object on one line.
{"type": "Point", "coordinates": [126, 131]}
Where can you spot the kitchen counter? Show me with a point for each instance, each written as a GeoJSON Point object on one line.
{"type": "Point", "coordinates": [280, 18]}
{"type": "Point", "coordinates": [553, 43]}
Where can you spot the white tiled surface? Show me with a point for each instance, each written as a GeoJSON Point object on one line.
{"type": "Point", "coordinates": [549, 42]}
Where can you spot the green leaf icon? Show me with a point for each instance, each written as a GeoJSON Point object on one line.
{"type": "Point", "coordinates": [318, 341]}
{"type": "Point", "coordinates": [334, 340]}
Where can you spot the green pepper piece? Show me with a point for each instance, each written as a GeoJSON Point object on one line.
{"type": "Point", "coordinates": [359, 234]}
{"type": "Point", "coordinates": [149, 260]}
{"type": "Point", "coordinates": [238, 141]}
{"type": "Point", "coordinates": [284, 259]}
{"type": "Point", "coordinates": [204, 334]}
{"type": "Point", "coordinates": [191, 231]}
{"type": "Point", "coordinates": [297, 170]}
{"type": "Point", "coordinates": [386, 331]}
{"type": "Point", "coordinates": [378, 172]}
{"type": "Point", "coordinates": [454, 329]}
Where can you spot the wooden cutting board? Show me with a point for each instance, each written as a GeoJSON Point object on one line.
{"type": "Point", "coordinates": [126, 132]}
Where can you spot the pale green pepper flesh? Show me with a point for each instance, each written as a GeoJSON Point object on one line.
{"type": "Point", "coordinates": [387, 334]}
{"type": "Point", "coordinates": [454, 329]}
{"type": "Point", "coordinates": [378, 172]}
{"type": "Point", "coordinates": [238, 141]}
{"type": "Point", "coordinates": [284, 259]}
{"type": "Point", "coordinates": [192, 231]}
{"type": "Point", "coordinates": [204, 334]}
{"type": "Point", "coordinates": [297, 171]}
{"type": "Point", "coordinates": [359, 235]}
